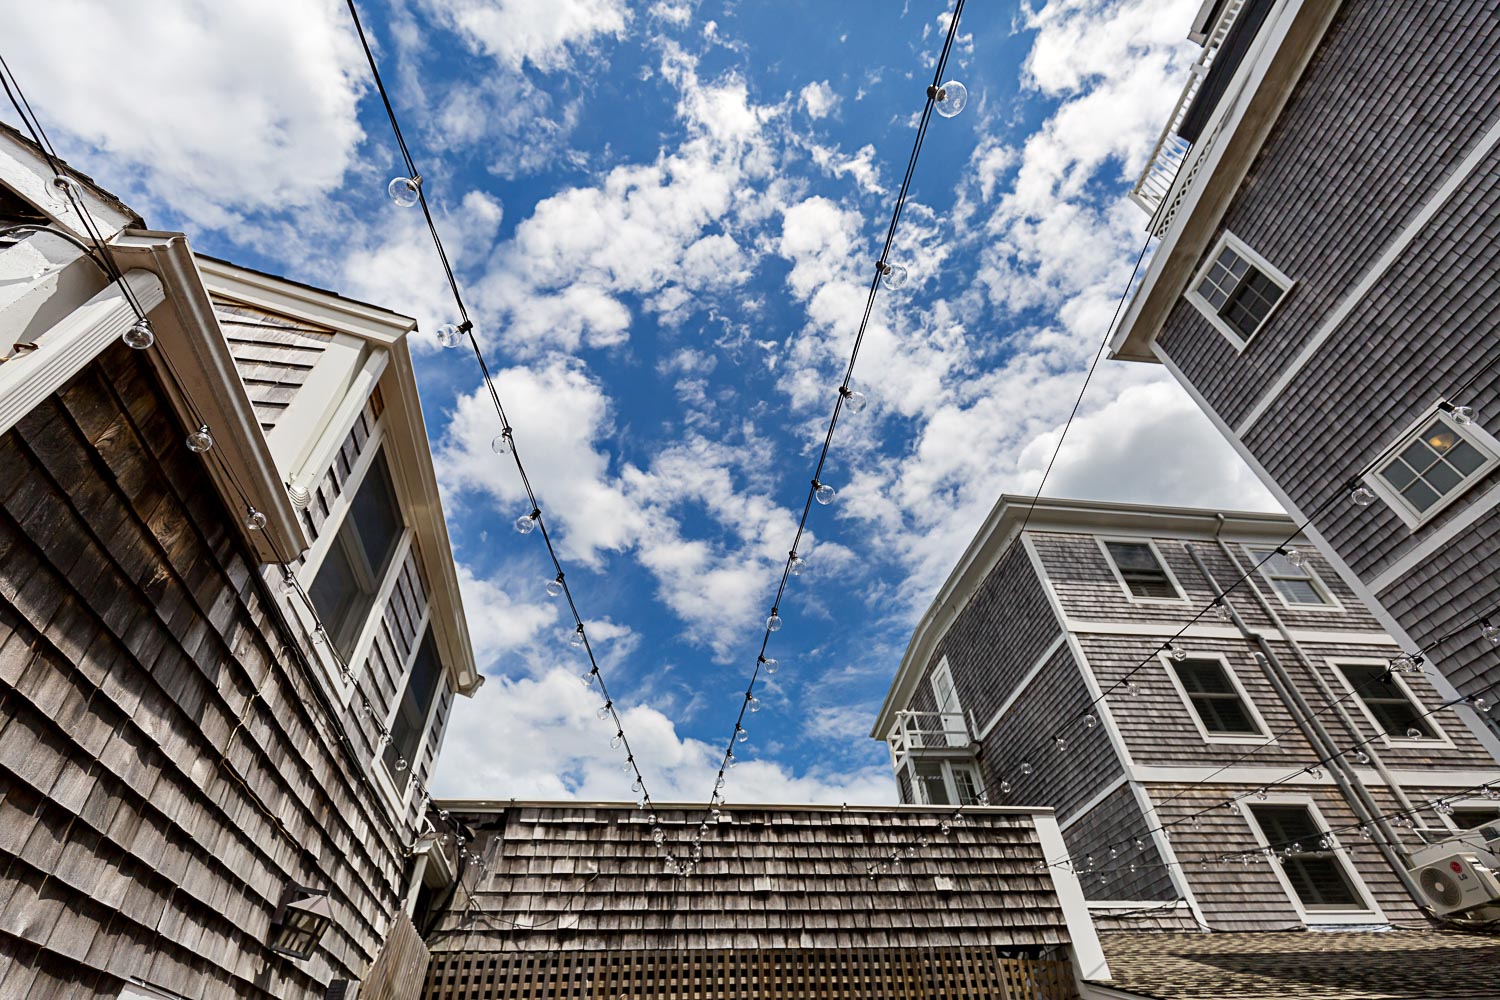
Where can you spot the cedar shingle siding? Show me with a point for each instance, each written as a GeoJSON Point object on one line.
{"type": "Point", "coordinates": [166, 767]}
{"type": "Point", "coordinates": [1386, 110]}
{"type": "Point", "coordinates": [578, 890]}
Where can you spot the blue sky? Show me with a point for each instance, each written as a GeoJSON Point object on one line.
{"type": "Point", "coordinates": [664, 216]}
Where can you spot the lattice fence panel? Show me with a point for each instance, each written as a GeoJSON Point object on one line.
{"type": "Point", "coordinates": [781, 974]}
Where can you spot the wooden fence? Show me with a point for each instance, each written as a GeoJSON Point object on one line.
{"type": "Point", "coordinates": [791, 974]}
{"type": "Point", "coordinates": [398, 971]}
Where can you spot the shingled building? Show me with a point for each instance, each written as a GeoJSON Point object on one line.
{"type": "Point", "coordinates": [230, 626]}
{"type": "Point", "coordinates": [574, 900]}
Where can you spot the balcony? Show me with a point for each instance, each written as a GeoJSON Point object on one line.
{"type": "Point", "coordinates": [1174, 161]}
{"type": "Point", "coordinates": [922, 734]}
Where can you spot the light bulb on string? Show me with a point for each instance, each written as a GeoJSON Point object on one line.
{"type": "Point", "coordinates": [1480, 702]}
{"type": "Point", "coordinates": [1025, 767]}
{"type": "Point", "coordinates": [1361, 757]}
{"type": "Point", "coordinates": [741, 734]}
{"type": "Point", "coordinates": [576, 639]}
{"type": "Point", "coordinates": [773, 623]}
{"type": "Point", "coordinates": [1489, 630]}
{"type": "Point", "coordinates": [591, 677]}
{"type": "Point", "coordinates": [769, 664]}
{"type": "Point", "coordinates": [401, 764]}
{"type": "Point", "coordinates": [200, 440]}
{"type": "Point", "coordinates": [526, 523]}
{"type": "Point", "coordinates": [1005, 787]}
{"type": "Point", "coordinates": [1292, 555]}
{"type": "Point", "coordinates": [254, 519]}
{"type": "Point", "coordinates": [752, 703]}
{"type": "Point", "coordinates": [403, 190]}
{"type": "Point", "coordinates": [554, 586]}
{"type": "Point", "coordinates": [617, 740]}
{"type": "Point", "coordinates": [1132, 686]}
{"type": "Point", "coordinates": [1062, 744]}
{"type": "Point", "coordinates": [1090, 721]}
{"type": "Point", "coordinates": [61, 189]}
{"type": "Point", "coordinates": [854, 400]}
{"type": "Point", "coordinates": [502, 443]}
{"type": "Point", "coordinates": [892, 276]}
{"type": "Point", "coordinates": [823, 493]}
{"type": "Point", "coordinates": [949, 99]}
{"type": "Point", "coordinates": [1176, 652]}
{"type": "Point", "coordinates": [798, 565]}
{"type": "Point", "coordinates": [1222, 612]}
{"type": "Point", "coordinates": [1362, 496]}
{"type": "Point", "coordinates": [449, 335]}
{"type": "Point", "coordinates": [603, 711]}
{"type": "Point", "coordinates": [140, 335]}
{"type": "Point", "coordinates": [730, 761]}
{"type": "Point", "coordinates": [1413, 733]}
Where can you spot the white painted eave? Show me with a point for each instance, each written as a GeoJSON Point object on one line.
{"type": "Point", "coordinates": [1269, 74]}
{"type": "Point", "coordinates": [310, 305]}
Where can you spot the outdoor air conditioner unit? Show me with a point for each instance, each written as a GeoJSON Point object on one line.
{"type": "Point", "coordinates": [1460, 874]}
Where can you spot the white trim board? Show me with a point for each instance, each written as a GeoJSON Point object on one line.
{"type": "Point", "coordinates": [1260, 775]}
{"type": "Point", "coordinates": [1093, 801]}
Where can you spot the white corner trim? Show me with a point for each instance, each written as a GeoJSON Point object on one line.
{"type": "Point", "coordinates": [1093, 801]}
{"type": "Point", "coordinates": [1393, 251]}
{"type": "Point", "coordinates": [1020, 687]}
{"type": "Point", "coordinates": [77, 339]}
{"type": "Point", "coordinates": [1088, 955]}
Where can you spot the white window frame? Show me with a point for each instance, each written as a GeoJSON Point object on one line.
{"type": "Point", "coordinates": [1330, 601]}
{"type": "Point", "coordinates": [1263, 737]}
{"type": "Point", "coordinates": [950, 783]}
{"type": "Point", "coordinates": [1489, 804]}
{"type": "Point", "coordinates": [400, 801]}
{"type": "Point", "coordinates": [1400, 740]}
{"type": "Point", "coordinates": [1109, 560]}
{"type": "Point", "coordinates": [318, 554]}
{"type": "Point", "coordinates": [1370, 915]}
{"type": "Point", "coordinates": [1205, 307]}
{"type": "Point", "coordinates": [1475, 435]}
{"type": "Point", "coordinates": [945, 671]}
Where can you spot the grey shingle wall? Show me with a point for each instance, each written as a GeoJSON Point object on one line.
{"type": "Point", "coordinates": [1117, 817]}
{"type": "Point", "coordinates": [274, 355]}
{"type": "Point", "coordinates": [1063, 780]}
{"type": "Point", "coordinates": [166, 770]}
{"type": "Point", "coordinates": [597, 864]}
{"type": "Point", "coordinates": [1387, 107]}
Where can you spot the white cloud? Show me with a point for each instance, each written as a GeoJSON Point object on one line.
{"type": "Point", "coordinates": [539, 738]}
{"type": "Point", "coordinates": [820, 100]}
{"type": "Point", "coordinates": [544, 33]}
{"type": "Point", "coordinates": [498, 623]}
{"type": "Point", "coordinates": [215, 107]}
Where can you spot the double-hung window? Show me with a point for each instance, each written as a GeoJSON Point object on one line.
{"type": "Point", "coordinates": [1213, 695]}
{"type": "Point", "coordinates": [1141, 571]}
{"type": "Point", "coordinates": [946, 783]}
{"type": "Point", "coordinates": [350, 576]}
{"type": "Point", "coordinates": [1310, 864]}
{"type": "Point", "coordinates": [1237, 290]}
{"type": "Point", "coordinates": [1387, 702]}
{"type": "Point", "coordinates": [1297, 586]}
{"type": "Point", "coordinates": [1432, 464]}
{"type": "Point", "coordinates": [409, 724]}
{"type": "Point", "coordinates": [1474, 817]}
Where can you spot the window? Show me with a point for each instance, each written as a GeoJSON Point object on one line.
{"type": "Point", "coordinates": [1431, 467]}
{"type": "Point", "coordinates": [1315, 873]}
{"type": "Point", "coordinates": [1237, 290]}
{"type": "Point", "coordinates": [349, 578]}
{"type": "Point", "coordinates": [1141, 571]}
{"type": "Point", "coordinates": [1387, 702]}
{"type": "Point", "coordinates": [1296, 585]}
{"type": "Point", "coordinates": [1215, 698]}
{"type": "Point", "coordinates": [1474, 817]}
{"type": "Point", "coordinates": [946, 783]}
{"type": "Point", "coordinates": [410, 721]}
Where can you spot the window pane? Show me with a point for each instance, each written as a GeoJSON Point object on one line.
{"type": "Point", "coordinates": [1439, 438]}
{"type": "Point", "coordinates": [1473, 817]}
{"type": "Point", "coordinates": [968, 788]}
{"type": "Point", "coordinates": [377, 516]}
{"type": "Point", "coordinates": [1393, 711]}
{"type": "Point", "coordinates": [934, 791]}
{"type": "Point", "coordinates": [1418, 455]}
{"type": "Point", "coordinates": [1398, 474]}
{"type": "Point", "coordinates": [1299, 592]}
{"type": "Point", "coordinates": [1214, 697]}
{"type": "Point", "coordinates": [1318, 876]}
{"type": "Point", "coordinates": [1443, 478]}
{"type": "Point", "coordinates": [411, 715]}
{"type": "Point", "coordinates": [1420, 495]}
{"type": "Point", "coordinates": [1465, 458]}
{"type": "Point", "coordinates": [1144, 576]}
{"type": "Point", "coordinates": [340, 600]}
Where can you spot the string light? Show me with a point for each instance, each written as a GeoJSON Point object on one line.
{"type": "Point", "coordinates": [854, 400]}
{"type": "Point", "coordinates": [254, 519]}
{"type": "Point", "coordinates": [404, 190]}
{"type": "Point", "coordinates": [1292, 555]}
{"type": "Point", "coordinates": [502, 444]}
{"type": "Point", "coordinates": [1222, 612]}
{"type": "Point", "coordinates": [1176, 652]}
{"type": "Point", "coordinates": [449, 335]}
{"type": "Point", "coordinates": [950, 98]}
{"type": "Point", "coordinates": [1362, 495]}
{"type": "Point", "coordinates": [200, 440]}
{"type": "Point", "coordinates": [773, 623]}
{"type": "Point", "coordinates": [575, 638]}
{"type": "Point", "coordinates": [1489, 630]}
{"type": "Point", "coordinates": [526, 523]}
{"type": "Point", "coordinates": [892, 276]}
{"type": "Point", "coordinates": [554, 586]}
{"type": "Point", "coordinates": [769, 664]}
{"type": "Point", "coordinates": [140, 335]}
{"type": "Point", "coordinates": [798, 565]}
{"type": "Point", "coordinates": [823, 493]}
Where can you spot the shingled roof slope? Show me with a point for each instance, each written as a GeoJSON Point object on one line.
{"type": "Point", "coordinates": [1305, 965]}
{"type": "Point", "coordinates": [571, 877]}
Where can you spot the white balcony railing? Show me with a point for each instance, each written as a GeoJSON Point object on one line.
{"type": "Point", "coordinates": [919, 731]}
{"type": "Point", "coordinates": [1162, 182]}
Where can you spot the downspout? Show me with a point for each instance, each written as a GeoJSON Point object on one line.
{"type": "Point", "coordinates": [1329, 696]}
{"type": "Point", "coordinates": [1354, 792]}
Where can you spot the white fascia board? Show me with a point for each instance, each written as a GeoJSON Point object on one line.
{"type": "Point", "coordinates": [406, 433]}
{"type": "Point", "coordinates": [193, 361]}
{"type": "Point", "coordinates": [305, 303]}
{"type": "Point", "coordinates": [25, 171]}
{"type": "Point", "coordinates": [1260, 89]}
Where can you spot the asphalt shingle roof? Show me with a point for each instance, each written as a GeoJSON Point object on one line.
{"type": "Point", "coordinates": [1306, 965]}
